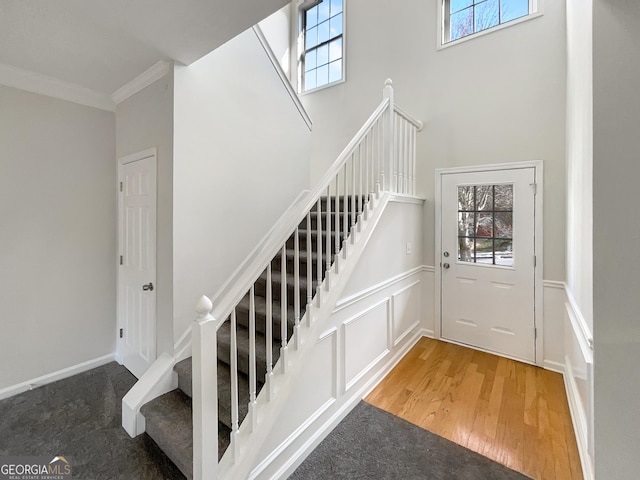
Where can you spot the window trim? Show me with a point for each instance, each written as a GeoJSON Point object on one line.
{"type": "Point", "coordinates": [301, 7]}
{"type": "Point", "coordinates": [536, 7]}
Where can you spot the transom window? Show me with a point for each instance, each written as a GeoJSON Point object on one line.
{"type": "Point", "coordinates": [322, 58]}
{"type": "Point", "coordinates": [485, 224]}
{"type": "Point", "coordinates": [462, 18]}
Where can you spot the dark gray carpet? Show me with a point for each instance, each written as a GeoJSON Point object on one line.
{"type": "Point", "coordinates": [373, 444]}
{"type": "Point", "coordinates": [79, 418]}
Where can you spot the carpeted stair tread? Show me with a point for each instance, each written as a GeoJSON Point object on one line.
{"type": "Point", "coordinates": [184, 370]}
{"type": "Point", "coordinates": [242, 339]}
{"type": "Point", "coordinates": [224, 395]}
{"type": "Point", "coordinates": [242, 311]}
{"type": "Point", "coordinates": [276, 279]}
{"type": "Point", "coordinates": [168, 422]}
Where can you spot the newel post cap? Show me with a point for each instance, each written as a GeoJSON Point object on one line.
{"type": "Point", "coordinates": [204, 307]}
{"type": "Point", "coordinates": [388, 82]}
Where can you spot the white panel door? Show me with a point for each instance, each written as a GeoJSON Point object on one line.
{"type": "Point", "coordinates": [137, 275]}
{"type": "Point", "coordinates": [487, 259]}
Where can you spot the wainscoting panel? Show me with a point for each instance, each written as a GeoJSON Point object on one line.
{"type": "Point", "coordinates": [405, 308]}
{"type": "Point", "coordinates": [578, 379]}
{"type": "Point", "coordinates": [365, 341]}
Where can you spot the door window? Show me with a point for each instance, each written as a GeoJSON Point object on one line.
{"type": "Point", "coordinates": [485, 224]}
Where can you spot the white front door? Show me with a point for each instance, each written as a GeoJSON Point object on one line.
{"type": "Point", "coordinates": [488, 261]}
{"type": "Point", "coordinates": [137, 271]}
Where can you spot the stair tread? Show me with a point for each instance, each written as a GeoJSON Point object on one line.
{"type": "Point", "coordinates": [276, 278]}
{"type": "Point", "coordinates": [261, 308]}
{"type": "Point", "coordinates": [168, 422]}
{"type": "Point", "coordinates": [242, 341]}
{"type": "Point", "coordinates": [224, 394]}
{"type": "Point", "coordinates": [185, 368]}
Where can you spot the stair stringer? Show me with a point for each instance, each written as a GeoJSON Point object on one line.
{"type": "Point", "coordinates": [265, 452]}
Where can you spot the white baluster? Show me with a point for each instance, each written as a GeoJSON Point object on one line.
{"type": "Point", "coordinates": [283, 307]}
{"type": "Point", "coordinates": [389, 141]}
{"type": "Point", "coordinates": [407, 146]}
{"type": "Point", "coordinates": [413, 160]}
{"type": "Point", "coordinates": [352, 232]}
{"type": "Point", "coordinates": [328, 240]}
{"type": "Point", "coordinates": [205, 393]}
{"type": "Point", "coordinates": [309, 269]}
{"type": "Point", "coordinates": [402, 156]}
{"type": "Point", "coordinates": [296, 287]}
{"type": "Point", "coordinates": [319, 249]}
{"type": "Point", "coordinates": [269, 331]}
{"type": "Point", "coordinates": [252, 359]}
{"type": "Point", "coordinates": [367, 172]}
{"type": "Point", "coordinates": [337, 222]}
{"type": "Point", "coordinates": [233, 364]}
{"type": "Point", "coordinates": [380, 166]}
{"type": "Point", "coordinates": [396, 153]}
{"type": "Point", "coordinates": [345, 214]}
{"type": "Point", "coordinates": [362, 152]}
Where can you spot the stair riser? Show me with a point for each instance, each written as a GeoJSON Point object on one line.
{"type": "Point", "coordinates": [350, 201]}
{"type": "Point", "coordinates": [242, 318]}
{"type": "Point", "coordinates": [314, 242]}
{"type": "Point", "coordinates": [224, 355]}
{"type": "Point", "coordinates": [277, 265]}
{"type": "Point", "coordinates": [261, 290]}
{"type": "Point", "coordinates": [323, 218]}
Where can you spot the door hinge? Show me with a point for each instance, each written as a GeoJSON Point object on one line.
{"type": "Point", "coordinates": [535, 261]}
{"type": "Point", "coordinates": [121, 186]}
{"type": "Point", "coordinates": [535, 333]}
{"type": "Point", "coordinates": [121, 332]}
{"type": "Point", "coordinates": [121, 260]}
{"type": "Point", "coordinates": [535, 188]}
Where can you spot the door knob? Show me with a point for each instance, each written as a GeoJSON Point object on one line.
{"type": "Point", "coordinates": [148, 286]}
{"type": "Point", "coordinates": [445, 265]}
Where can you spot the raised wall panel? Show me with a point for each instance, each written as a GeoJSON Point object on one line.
{"type": "Point", "coordinates": [365, 341]}
{"type": "Point", "coordinates": [406, 311]}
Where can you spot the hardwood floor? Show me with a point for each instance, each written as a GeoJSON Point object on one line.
{"type": "Point", "coordinates": [511, 412]}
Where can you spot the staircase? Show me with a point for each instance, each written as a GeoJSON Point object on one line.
{"type": "Point", "coordinates": [169, 416]}
{"type": "Point", "coordinates": [265, 324]}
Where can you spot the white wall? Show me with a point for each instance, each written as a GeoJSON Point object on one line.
{"type": "Point", "coordinates": [240, 158]}
{"type": "Point", "coordinates": [497, 98]}
{"type": "Point", "coordinates": [58, 235]}
{"type": "Point", "coordinates": [616, 237]}
{"type": "Point", "coordinates": [580, 156]}
{"type": "Point", "coordinates": [276, 29]}
{"type": "Point", "coordinates": [143, 121]}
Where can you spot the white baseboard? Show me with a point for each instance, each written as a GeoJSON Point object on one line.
{"type": "Point", "coordinates": [553, 366]}
{"type": "Point", "coordinates": [428, 333]}
{"type": "Point", "coordinates": [55, 376]}
{"type": "Point", "coordinates": [579, 420]}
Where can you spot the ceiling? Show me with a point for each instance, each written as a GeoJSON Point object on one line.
{"type": "Point", "coordinates": [102, 45]}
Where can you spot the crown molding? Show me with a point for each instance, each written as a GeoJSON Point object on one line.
{"type": "Point", "coordinates": [153, 74]}
{"type": "Point", "coordinates": [33, 82]}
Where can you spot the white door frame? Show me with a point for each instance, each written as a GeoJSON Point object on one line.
{"type": "Point", "coordinates": [151, 152]}
{"type": "Point", "coordinates": [537, 165]}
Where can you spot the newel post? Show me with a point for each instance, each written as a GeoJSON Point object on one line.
{"type": "Point", "coordinates": [205, 393]}
{"type": "Point", "coordinates": [388, 164]}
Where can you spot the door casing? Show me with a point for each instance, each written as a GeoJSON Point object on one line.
{"type": "Point", "coordinates": [537, 165]}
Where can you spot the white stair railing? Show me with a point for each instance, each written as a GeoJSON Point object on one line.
{"type": "Point", "coordinates": [380, 157]}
